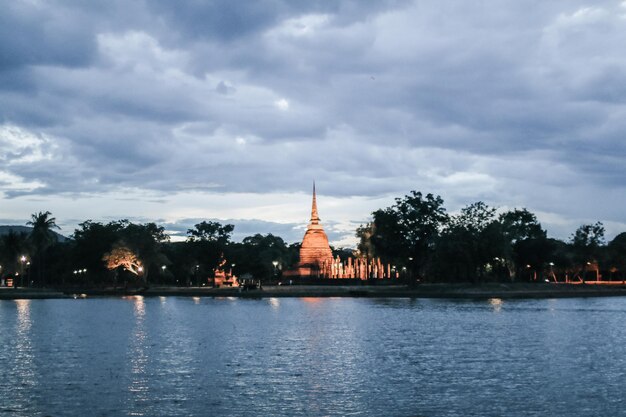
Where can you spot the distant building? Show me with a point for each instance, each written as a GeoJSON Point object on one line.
{"type": "Point", "coordinates": [315, 251]}
{"type": "Point", "coordinates": [316, 257]}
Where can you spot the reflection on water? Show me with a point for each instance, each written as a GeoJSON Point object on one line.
{"type": "Point", "coordinates": [23, 355]}
{"type": "Point", "coordinates": [274, 302]}
{"type": "Point", "coordinates": [301, 357]}
{"type": "Point", "coordinates": [496, 303]}
{"type": "Point", "coordinates": [138, 358]}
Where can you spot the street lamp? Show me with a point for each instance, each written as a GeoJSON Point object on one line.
{"type": "Point", "coordinates": [22, 261]}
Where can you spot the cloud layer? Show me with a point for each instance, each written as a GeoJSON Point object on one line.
{"type": "Point", "coordinates": [147, 104]}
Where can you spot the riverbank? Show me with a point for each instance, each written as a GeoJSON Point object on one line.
{"type": "Point", "coordinates": [456, 291]}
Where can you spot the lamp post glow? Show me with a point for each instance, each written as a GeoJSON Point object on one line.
{"type": "Point", "coordinates": [22, 262]}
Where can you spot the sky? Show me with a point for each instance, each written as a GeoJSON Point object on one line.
{"type": "Point", "coordinates": [179, 112]}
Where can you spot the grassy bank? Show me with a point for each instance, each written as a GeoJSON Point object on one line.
{"type": "Point", "coordinates": [458, 291]}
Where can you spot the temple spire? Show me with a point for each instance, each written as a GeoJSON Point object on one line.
{"type": "Point", "coordinates": [315, 218]}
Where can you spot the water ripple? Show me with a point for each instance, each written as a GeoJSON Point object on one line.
{"type": "Point", "coordinates": [307, 357]}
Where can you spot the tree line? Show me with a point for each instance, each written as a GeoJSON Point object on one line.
{"type": "Point", "coordinates": [417, 234]}
{"type": "Point", "coordinates": [123, 253]}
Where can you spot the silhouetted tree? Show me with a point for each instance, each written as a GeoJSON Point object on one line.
{"type": "Point", "coordinates": [42, 237]}
{"type": "Point", "coordinates": [469, 243]}
{"type": "Point", "coordinates": [256, 254]}
{"type": "Point", "coordinates": [207, 241]}
{"type": "Point", "coordinates": [587, 243]}
{"type": "Point", "coordinates": [524, 235]}
{"type": "Point", "coordinates": [13, 245]}
{"type": "Point", "coordinates": [405, 233]}
{"type": "Point", "coordinates": [617, 254]}
{"type": "Point", "coordinates": [90, 242]}
{"type": "Point", "coordinates": [145, 240]}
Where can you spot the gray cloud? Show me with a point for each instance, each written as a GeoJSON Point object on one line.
{"type": "Point", "coordinates": [517, 104]}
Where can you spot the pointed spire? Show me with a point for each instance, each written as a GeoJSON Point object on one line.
{"type": "Point", "coordinates": [315, 218]}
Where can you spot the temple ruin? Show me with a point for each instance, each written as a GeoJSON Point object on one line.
{"type": "Point", "coordinates": [317, 261]}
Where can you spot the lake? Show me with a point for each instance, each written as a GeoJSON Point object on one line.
{"type": "Point", "coordinates": [192, 356]}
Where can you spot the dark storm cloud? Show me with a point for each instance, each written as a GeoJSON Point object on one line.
{"type": "Point", "coordinates": [491, 100]}
{"type": "Point", "coordinates": [32, 35]}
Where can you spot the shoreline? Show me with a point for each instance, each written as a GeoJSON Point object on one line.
{"type": "Point", "coordinates": [450, 291]}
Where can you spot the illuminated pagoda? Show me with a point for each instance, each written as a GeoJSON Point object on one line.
{"type": "Point", "coordinates": [315, 251]}
{"type": "Point", "coordinates": [316, 257]}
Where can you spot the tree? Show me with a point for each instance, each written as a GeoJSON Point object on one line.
{"type": "Point", "coordinates": [617, 253]}
{"type": "Point", "coordinates": [256, 255]}
{"type": "Point", "coordinates": [405, 232]}
{"type": "Point", "coordinates": [122, 256]}
{"type": "Point", "coordinates": [210, 232]}
{"type": "Point", "coordinates": [521, 224]}
{"type": "Point", "coordinates": [145, 240]}
{"type": "Point", "coordinates": [453, 256]}
{"type": "Point", "coordinates": [532, 255]}
{"type": "Point", "coordinates": [474, 217]}
{"type": "Point", "coordinates": [42, 237]}
{"type": "Point", "coordinates": [587, 242]}
{"type": "Point", "coordinates": [208, 241]}
{"type": "Point", "coordinates": [12, 246]}
{"type": "Point", "coordinates": [469, 243]}
{"type": "Point", "coordinates": [527, 246]}
{"type": "Point", "coordinates": [91, 241]}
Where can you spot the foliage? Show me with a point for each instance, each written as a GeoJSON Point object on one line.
{"type": "Point", "coordinates": [122, 256]}
{"type": "Point", "coordinates": [12, 246]}
{"type": "Point", "coordinates": [616, 253]}
{"type": "Point", "coordinates": [256, 255]}
{"type": "Point", "coordinates": [207, 243]}
{"type": "Point", "coordinates": [90, 243]}
{"type": "Point", "coordinates": [416, 233]}
{"type": "Point", "coordinates": [41, 238]}
{"type": "Point", "coordinates": [469, 242]}
{"type": "Point", "coordinates": [210, 232]}
{"type": "Point", "coordinates": [405, 232]}
{"type": "Point", "coordinates": [587, 242]}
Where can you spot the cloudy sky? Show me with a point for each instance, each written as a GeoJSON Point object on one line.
{"type": "Point", "coordinates": [177, 112]}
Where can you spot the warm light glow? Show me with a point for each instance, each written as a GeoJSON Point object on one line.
{"type": "Point", "coordinates": [496, 303]}
{"type": "Point", "coordinates": [122, 256]}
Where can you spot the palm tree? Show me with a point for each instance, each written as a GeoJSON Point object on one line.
{"type": "Point", "coordinates": [41, 238]}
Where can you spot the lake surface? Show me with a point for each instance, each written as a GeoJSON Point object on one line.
{"type": "Point", "coordinates": [297, 356]}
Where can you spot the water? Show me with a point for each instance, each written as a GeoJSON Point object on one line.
{"type": "Point", "coordinates": [339, 356]}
